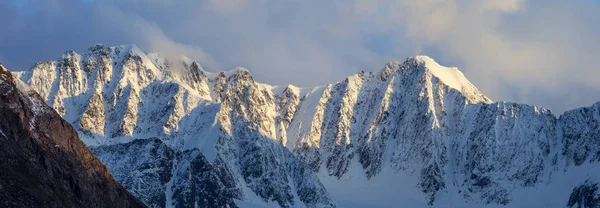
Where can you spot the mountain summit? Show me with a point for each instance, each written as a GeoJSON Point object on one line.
{"type": "Point", "coordinates": [413, 133]}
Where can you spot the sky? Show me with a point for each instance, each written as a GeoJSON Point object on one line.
{"type": "Point", "coordinates": [540, 52]}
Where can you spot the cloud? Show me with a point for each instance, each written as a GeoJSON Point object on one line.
{"type": "Point", "coordinates": [531, 51]}
{"type": "Point", "coordinates": [547, 48]}
{"type": "Point", "coordinates": [504, 6]}
{"type": "Point", "coordinates": [39, 30]}
{"type": "Point", "coordinates": [133, 28]}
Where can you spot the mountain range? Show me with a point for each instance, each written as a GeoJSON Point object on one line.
{"type": "Point", "coordinates": [414, 133]}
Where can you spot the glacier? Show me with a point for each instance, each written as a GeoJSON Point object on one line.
{"type": "Point", "coordinates": [414, 133]}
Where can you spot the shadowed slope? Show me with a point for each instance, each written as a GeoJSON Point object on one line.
{"type": "Point", "coordinates": [44, 164]}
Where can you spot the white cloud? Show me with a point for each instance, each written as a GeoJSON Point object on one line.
{"type": "Point", "coordinates": [505, 5]}
{"type": "Point", "coordinates": [546, 48]}
{"type": "Point", "coordinates": [148, 35]}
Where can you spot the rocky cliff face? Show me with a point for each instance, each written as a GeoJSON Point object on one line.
{"type": "Point", "coordinates": [418, 127]}
{"type": "Point", "coordinates": [44, 164]}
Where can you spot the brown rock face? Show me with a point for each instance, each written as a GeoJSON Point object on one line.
{"type": "Point", "coordinates": [42, 161]}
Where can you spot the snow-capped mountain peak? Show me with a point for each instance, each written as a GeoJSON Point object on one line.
{"type": "Point", "coordinates": [450, 76]}
{"type": "Point", "coordinates": [117, 95]}
{"type": "Point", "coordinates": [417, 125]}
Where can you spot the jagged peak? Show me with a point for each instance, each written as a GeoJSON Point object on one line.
{"type": "Point", "coordinates": [390, 68]}
{"type": "Point", "coordinates": [116, 51]}
{"type": "Point", "coordinates": [450, 76]}
{"type": "Point", "coordinates": [281, 90]}
{"type": "Point", "coordinates": [293, 89]}
{"type": "Point", "coordinates": [180, 63]}
{"type": "Point", "coordinates": [70, 54]}
{"type": "Point", "coordinates": [190, 62]}
{"type": "Point", "coordinates": [5, 75]}
{"type": "Point", "coordinates": [87, 61]}
{"type": "Point", "coordinates": [100, 49]}
{"type": "Point", "coordinates": [447, 76]}
{"type": "Point", "coordinates": [237, 70]}
{"type": "Point", "coordinates": [239, 74]}
{"type": "Point", "coordinates": [128, 48]}
{"type": "Point", "coordinates": [2, 68]}
{"type": "Point", "coordinates": [98, 46]}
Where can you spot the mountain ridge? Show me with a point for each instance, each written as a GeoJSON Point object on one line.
{"type": "Point", "coordinates": [415, 120]}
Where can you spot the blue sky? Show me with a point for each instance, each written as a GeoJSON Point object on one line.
{"type": "Point", "coordinates": [539, 52]}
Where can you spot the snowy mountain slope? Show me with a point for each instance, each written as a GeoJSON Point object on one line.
{"type": "Point", "coordinates": [149, 168]}
{"type": "Point", "coordinates": [115, 95]}
{"type": "Point", "coordinates": [415, 124]}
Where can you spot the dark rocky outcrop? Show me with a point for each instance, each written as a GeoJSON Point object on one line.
{"type": "Point", "coordinates": [585, 195]}
{"type": "Point", "coordinates": [43, 162]}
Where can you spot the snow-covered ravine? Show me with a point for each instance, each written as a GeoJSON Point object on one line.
{"type": "Point", "coordinates": [414, 133]}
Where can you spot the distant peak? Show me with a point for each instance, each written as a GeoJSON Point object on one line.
{"type": "Point", "coordinates": [237, 73]}
{"type": "Point", "coordinates": [100, 48]}
{"type": "Point", "coordinates": [70, 53]}
{"type": "Point", "coordinates": [5, 75]}
{"type": "Point", "coordinates": [237, 70]}
{"type": "Point", "coordinates": [424, 58]}
{"type": "Point", "coordinates": [129, 48]}
{"type": "Point", "coordinates": [425, 62]}
{"type": "Point", "coordinates": [293, 89]}
{"type": "Point", "coordinates": [187, 60]}
{"type": "Point", "coordinates": [2, 68]}
{"type": "Point", "coordinates": [98, 45]}
{"type": "Point", "coordinates": [450, 76]}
